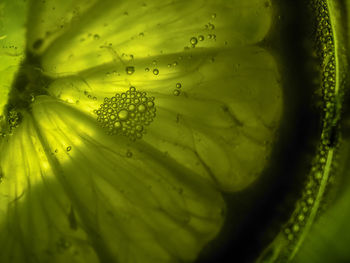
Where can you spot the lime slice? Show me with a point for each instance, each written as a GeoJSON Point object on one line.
{"type": "Point", "coordinates": [126, 121]}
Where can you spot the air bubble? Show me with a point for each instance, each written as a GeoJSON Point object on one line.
{"type": "Point", "coordinates": [318, 175]}
{"type": "Point", "coordinates": [301, 217]}
{"type": "Point", "coordinates": [130, 70]}
{"type": "Point", "coordinates": [141, 108]}
{"type": "Point", "coordinates": [131, 107]}
{"type": "Point", "coordinates": [69, 148]}
{"type": "Point", "coordinates": [310, 200]}
{"type": "Point", "coordinates": [155, 71]}
{"type": "Point", "coordinates": [296, 228]}
{"type": "Point", "coordinates": [193, 41]}
{"type": "Point", "coordinates": [176, 92]}
{"type": "Point", "coordinates": [178, 85]}
{"type": "Point", "coordinates": [123, 114]}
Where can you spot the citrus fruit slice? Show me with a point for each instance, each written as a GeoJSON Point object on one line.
{"type": "Point", "coordinates": [124, 121]}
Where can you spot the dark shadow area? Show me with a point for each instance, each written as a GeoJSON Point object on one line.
{"type": "Point", "coordinates": [28, 83]}
{"type": "Point", "coordinates": [256, 214]}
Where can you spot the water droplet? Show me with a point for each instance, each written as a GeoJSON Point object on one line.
{"type": "Point", "coordinates": [178, 85]}
{"type": "Point", "coordinates": [130, 70]}
{"type": "Point", "coordinates": [176, 92]}
{"type": "Point", "coordinates": [96, 37]}
{"type": "Point", "coordinates": [69, 148]}
{"type": "Point", "coordinates": [213, 16]}
{"type": "Point", "coordinates": [155, 71]}
{"type": "Point", "coordinates": [146, 69]}
{"type": "Point", "coordinates": [129, 154]}
{"type": "Point", "coordinates": [201, 38]}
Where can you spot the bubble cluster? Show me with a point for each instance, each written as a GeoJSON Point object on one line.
{"type": "Point", "coordinates": [13, 119]}
{"type": "Point", "coordinates": [210, 26]}
{"type": "Point", "coordinates": [177, 91]}
{"type": "Point", "coordinates": [128, 113]}
{"type": "Point", "coordinates": [316, 190]}
{"type": "Point", "coordinates": [325, 54]}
